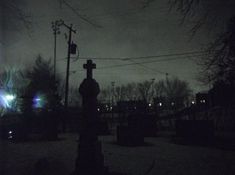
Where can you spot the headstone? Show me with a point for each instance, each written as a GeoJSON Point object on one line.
{"type": "Point", "coordinates": [195, 131]}
{"type": "Point", "coordinates": [90, 160]}
{"type": "Point", "coordinates": [131, 134]}
{"type": "Point", "coordinates": [137, 127]}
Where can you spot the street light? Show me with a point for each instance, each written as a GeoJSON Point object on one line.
{"type": "Point", "coordinates": [10, 97]}
{"type": "Point", "coordinates": [6, 100]}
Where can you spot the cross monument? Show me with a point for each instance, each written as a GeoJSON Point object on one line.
{"type": "Point", "coordinates": [89, 66]}
{"type": "Point", "coordinates": [90, 160]}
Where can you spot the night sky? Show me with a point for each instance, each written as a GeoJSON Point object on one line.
{"type": "Point", "coordinates": [127, 28]}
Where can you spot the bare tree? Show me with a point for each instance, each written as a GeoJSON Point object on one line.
{"type": "Point", "coordinates": [119, 93]}
{"type": "Point", "coordinates": [130, 91]}
{"type": "Point", "coordinates": [176, 92]}
{"type": "Point", "coordinates": [104, 95]}
{"type": "Point", "coordinates": [123, 92]}
{"type": "Point", "coordinates": [158, 88]}
{"type": "Point", "coordinates": [207, 13]}
{"type": "Point", "coordinates": [145, 90]}
{"type": "Point", "coordinates": [218, 63]}
{"type": "Point", "coordinates": [12, 9]}
{"type": "Point", "coordinates": [75, 97]}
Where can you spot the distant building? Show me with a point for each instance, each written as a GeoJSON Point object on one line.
{"type": "Point", "coordinates": [222, 94]}
{"type": "Point", "coordinates": [104, 107]}
{"type": "Point", "coordinates": [166, 106]}
{"type": "Point", "coordinates": [203, 99]}
{"type": "Point", "coordinates": [132, 106]}
{"type": "Point", "coordinates": [160, 103]}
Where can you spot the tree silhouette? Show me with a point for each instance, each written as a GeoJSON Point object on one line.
{"type": "Point", "coordinates": [145, 91]}
{"type": "Point", "coordinates": [42, 84]}
{"type": "Point", "coordinates": [121, 93]}
{"type": "Point", "coordinates": [173, 89]}
{"type": "Point", "coordinates": [75, 99]}
{"type": "Point", "coordinates": [176, 92]}
{"type": "Point", "coordinates": [130, 91]}
{"type": "Point", "coordinates": [219, 64]}
{"type": "Point", "coordinates": [212, 14]}
{"type": "Point", "coordinates": [12, 9]}
{"type": "Point", "coordinates": [104, 95]}
{"type": "Point", "coordinates": [159, 87]}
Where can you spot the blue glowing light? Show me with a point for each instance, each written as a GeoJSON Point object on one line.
{"type": "Point", "coordinates": [39, 101]}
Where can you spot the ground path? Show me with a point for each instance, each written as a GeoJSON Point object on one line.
{"type": "Point", "coordinates": [159, 156]}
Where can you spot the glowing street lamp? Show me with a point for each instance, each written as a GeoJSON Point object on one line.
{"type": "Point", "coordinates": [9, 97]}
{"type": "Point", "coordinates": [6, 100]}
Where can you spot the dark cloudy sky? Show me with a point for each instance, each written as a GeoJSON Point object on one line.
{"type": "Point", "coordinates": [127, 30]}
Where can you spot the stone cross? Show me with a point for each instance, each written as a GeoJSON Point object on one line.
{"type": "Point", "coordinates": [89, 66]}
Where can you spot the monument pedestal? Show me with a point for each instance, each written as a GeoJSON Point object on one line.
{"type": "Point", "coordinates": [90, 160]}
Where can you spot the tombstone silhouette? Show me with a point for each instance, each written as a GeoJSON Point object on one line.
{"type": "Point", "coordinates": [90, 160]}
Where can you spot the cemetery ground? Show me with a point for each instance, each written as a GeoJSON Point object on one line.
{"type": "Point", "coordinates": [158, 156]}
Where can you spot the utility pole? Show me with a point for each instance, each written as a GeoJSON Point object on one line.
{"type": "Point", "coordinates": [167, 77]}
{"type": "Point", "coordinates": [71, 30]}
{"type": "Point", "coordinates": [112, 83]}
{"type": "Point", "coordinates": [152, 91]}
{"type": "Point", "coordinates": [68, 65]}
{"type": "Point", "coordinates": [56, 30]}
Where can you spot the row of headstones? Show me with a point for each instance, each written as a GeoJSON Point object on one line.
{"type": "Point", "coordinates": [136, 129]}
{"type": "Point", "coordinates": [187, 131]}
{"type": "Point", "coordinates": [22, 127]}
{"type": "Point", "coordinates": [131, 133]}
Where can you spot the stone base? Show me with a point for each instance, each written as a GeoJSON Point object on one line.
{"type": "Point", "coordinates": [105, 172]}
{"type": "Point", "coordinates": [90, 160]}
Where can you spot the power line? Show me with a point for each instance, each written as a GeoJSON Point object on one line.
{"type": "Point", "coordinates": [179, 56]}
{"type": "Point", "coordinates": [141, 64]}
{"type": "Point", "coordinates": [119, 12]}
{"type": "Point", "coordinates": [80, 16]}
{"type": "Point", "coordinates": [101, 16]}
{"type": "Point", "coordinates": [128, 64]}
{"type": "Point", "coordinates": [149, 69]}
{"type": "Point", "coordinates": [194, 53]}
{"type": "Point", "coordinates": [184, 55]}
{"type": "Point", "coordinates": [144, 62]}
{"type": "Point", "coordinates": [122, 13]}
{"type": "Point", "coordinates": [169, 57]}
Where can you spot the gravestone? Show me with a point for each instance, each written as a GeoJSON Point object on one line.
{"type": "Point", "coordinates": [195, 131]}
{"type": "Point", "coordinates": [131, 134]}
{"type": "Point", "coordinates": [90, 160]}
{"type": "Point", "coordinates": [138, 127]}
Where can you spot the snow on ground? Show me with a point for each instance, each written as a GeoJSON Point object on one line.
{"type": "Point", "coordinates": [158, 156]}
